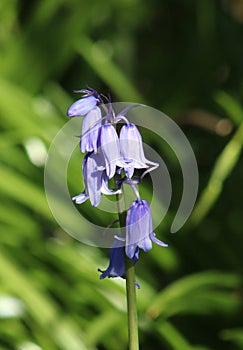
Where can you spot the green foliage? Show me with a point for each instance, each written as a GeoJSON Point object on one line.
{"type": "Point", "coordinates": [183, 57]}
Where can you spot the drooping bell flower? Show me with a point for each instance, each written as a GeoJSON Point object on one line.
{"type": "Point", "coordinates": [95, 180]}
{"type": "Point", "coordinates": [90, 130]}
{"type": "Point", "coordinates": [139, 229]}
{"type": "Point", "coordinates": [116, 266]}
{"type": "Point", "coordinates": [82, 106]}
{"type": "Point", "coordinates": [109, 145]}
{"type": "Point", "coordinates": [131, 148]}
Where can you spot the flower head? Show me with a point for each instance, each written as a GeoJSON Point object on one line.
{"type": "Point", "coordinates": [109, 145]}
{"type": "Point", "coordinates": [108, 154]}
{"type": "Point", "coordinates": [95, 180]}
{"type": "Point", "coordinates": [139, 229]}
{"type": "Point", "coordinates": [131, 147]}
{"type": "Point", "coordinates": [90, 130]}
{"type": "Point", "coordinates": [82, 106]}
{"type": "Point", "coordinates": [116, 266]}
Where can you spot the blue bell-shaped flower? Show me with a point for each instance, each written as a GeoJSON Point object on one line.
{"type": "Point", "coordinates": [82, 106]}
{"type": "Point", "coordinates": [139, 229]}
{"type": "Point", "coordinates": [95, 180]}
{"type": "Point", "coordinates": [90, 130]}
{"type": "Point", "coordinates": [109, 145]}
{"type": "Point", "coordinates": [131, 148]}
{"type": "Point", "coordinates": [116, 266]}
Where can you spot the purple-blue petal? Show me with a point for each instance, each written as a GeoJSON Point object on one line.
{"type": "Point", "coordinates": [82, 107]}
{"type": "Point", "coordinates": [93, 177]}
{"type": "Point", "coordinates": [131, 146]}
{"type": "Point", "coordinates": [104, 186]}
{"type": "Point", "coordinates": [139, 229]}
{"type": "Point", "coordinates": [157, 241]}
{"type": "Point", "coordinates": [116, 266]}
{"type": "Point", "coordinates": [109, 145]}
{"type": "Point", "coordinates": [90, 130]}
{"type": "Point", "coordinates": [80, 198]}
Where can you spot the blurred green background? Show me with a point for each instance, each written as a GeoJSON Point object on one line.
{"type": "Point", "coordinates": [183, 57]}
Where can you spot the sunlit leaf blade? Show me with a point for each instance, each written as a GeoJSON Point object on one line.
{"type": "Point", "coordinates": [195, 293]}
{"type": "Point", "coordinates": [231, 106]}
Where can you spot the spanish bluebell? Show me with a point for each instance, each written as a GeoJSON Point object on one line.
{"type": "Point", "coordinates": [82, 106]}
{"type": "Point", "coordinates": [95, 180]}
{"type": "Point", "coordinates": [116, 266]}
{"type": "Point", "coordinates": [109, 145]}
{"type": "Point", "coordinates": [139, 229]}
{"type": "Point", "coordinates": [108, 154]}
{"type": "Point", "coordinates": [90, 130]}
{"type": "Point", "coordinates": [131, 148]}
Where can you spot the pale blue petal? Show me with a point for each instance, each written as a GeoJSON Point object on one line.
{"type": "Point", "coordinates": [82, 107]}
{"type": "Point", "coordinates": [104, 186]}
{"type": "Point", "coordinates": [129, 171]}
{"type": "Point", "coordinates": [92, 178]}
{"type": "Point", "coordinates": [80, 198]}
{"type": "Point", "coordinates": [109, 145]}
{"type": "Point", "coordinates": [130, 250]}
{"type": "Point", "coordinates": [132, 230]}
{"type": "Point", "coordinates": [145, 244]}
{"type": "Point", "coordinates": [138, 228]}
{"type": "Point", "coordinates": [157, 241]}
{"type": "Point", "coordinates": [131, 146]}
{"type": "Point", "coordinates": [90, 130]}
{"type": "Point", "coordinates": [116, 266]}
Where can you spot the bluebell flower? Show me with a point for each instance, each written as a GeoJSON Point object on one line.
{"type": "Point", "coordinates": [89, 101]}
{"type": "Point", "coordinates": [116, 266]}
{"type": "Point", "coordinates": [139, 229]}
{"type": "Point", "coordinates": [131, 148]}
{"type": "Point", "coordinates": [90, 130]}
{"type": "Point", "coordinates": [95, 180]}
{"type": "Point", "coordinates": [82, 106]}
{"type": "Point", "coordinates": [109, 145]}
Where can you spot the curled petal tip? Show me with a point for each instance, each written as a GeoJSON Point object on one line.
{"type": "Point", "coordinates": [80, 198]}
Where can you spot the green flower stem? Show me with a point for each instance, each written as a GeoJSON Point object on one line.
{"type": "Point", "coordinates": [130, 288]}
{"type": "Point", "coordinates": [131, 305]}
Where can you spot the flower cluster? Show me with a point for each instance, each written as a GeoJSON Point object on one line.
{"type": "Point", "coordinates": [110, 153]}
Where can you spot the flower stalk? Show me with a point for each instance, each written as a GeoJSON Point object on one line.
{"type": "Point", "coordinates": [131, 305]}
{"type": "Point", "coordinates": [132, 318]}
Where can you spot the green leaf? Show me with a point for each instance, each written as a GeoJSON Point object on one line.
{"type": "Point", "coordinates": [174, 338]}
{"type": "Point", "coordinates": [232, 107]}
{"type": "Point", "coordinates": [179, 295]}
{"type": "Point", "coordinates": [24, 191]}
{"type": "Point", "coordinates": [234, 336]}
{"type": "Point", "coordinates": [224, 165]}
